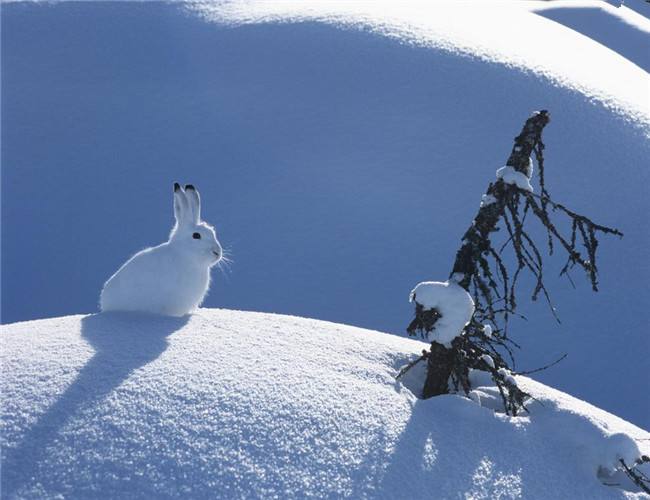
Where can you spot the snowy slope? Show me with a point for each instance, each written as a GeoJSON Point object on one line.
{"type": "Point", "coordinates": [228, 404]}
{"type": "Point", "coordinates": [504, 32]}
{"type": "Point", "coordinates": [339, 166]}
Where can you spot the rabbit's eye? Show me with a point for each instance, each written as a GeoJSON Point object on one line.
{"type": "Point", "coordinates": [196, 236]}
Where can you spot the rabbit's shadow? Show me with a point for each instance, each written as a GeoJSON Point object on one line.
{"type": "Point", "coordinates": [123, 343]}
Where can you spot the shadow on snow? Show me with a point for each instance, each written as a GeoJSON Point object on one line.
{"type": "Point", "coordinates": [123, 343]}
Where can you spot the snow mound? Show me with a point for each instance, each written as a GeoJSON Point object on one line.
{"type": "Point", "coordinates": [453, 303]}
{"type": "Point", "coordinates": [235, 404]}
{"type": "Point", "coordinates": [510, 33]}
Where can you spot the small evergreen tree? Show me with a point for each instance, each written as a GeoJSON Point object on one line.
{"type": "Point", "coordinates": [480, 269]}
{"type": "Point", "coordinates": [485, 278]}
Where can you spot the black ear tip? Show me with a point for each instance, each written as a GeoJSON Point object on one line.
{"type": "Point", "coordinates": [177, 186]}
{"type": "Point", "coordinates": [189, 186]}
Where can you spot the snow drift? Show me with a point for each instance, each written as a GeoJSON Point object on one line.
{"type": "Point", "coordinates": [237, 404]}
{"type": "Point", "coordinates": [507, 33]}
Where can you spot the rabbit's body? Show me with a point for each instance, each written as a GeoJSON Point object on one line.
{"type": "Point", "coordinates": [171, 278]}
{"type": "Point", "coordinates": [139, 285]}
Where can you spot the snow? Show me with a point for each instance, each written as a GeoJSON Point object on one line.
{"type": "Point", "coordinates": [511, 176]}
{"type": "Point", "coordinates": [507, 376]}
{"type": "Point", "coordinates": [621, 29]}
{"type": "Point", "coordinates": [281, 100]}
{"type": "Point", "coordinates": [454, 304]}
{"type": "Point", "coordinates": [495, 30]}
{"type": "Point", "coordinates": [238, 404]}
{"type": "Point", "coordinates": [488, 360]}
{"type": "Point", "coordinates": [617, 447]}
{"type": "Point", "coordinates": [346, 150]}
{"type": "Point", "coordinates": [487, 330]}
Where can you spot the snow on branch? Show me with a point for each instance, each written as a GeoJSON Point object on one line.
{"type": "Point", "coordinates": [453, 304]}
{"type": "Point", "coordinates": [636, 475]}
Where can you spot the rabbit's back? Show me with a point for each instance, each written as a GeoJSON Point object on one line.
{"type": "Point", "coordinates": [156, 280]}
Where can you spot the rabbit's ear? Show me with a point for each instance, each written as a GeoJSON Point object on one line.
{"type": "Point", "coordinates": [194, 201]}
{"type": "Point", "coordinates": [181, 205]}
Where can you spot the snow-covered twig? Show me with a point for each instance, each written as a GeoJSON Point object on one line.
{"type": "Point", "coordinates": [638, 477]}
{"type": "Point", "coordinates": [406, 368]}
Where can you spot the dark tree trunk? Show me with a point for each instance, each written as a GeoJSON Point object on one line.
{"type": "Point", "coordinates": [440, 361]}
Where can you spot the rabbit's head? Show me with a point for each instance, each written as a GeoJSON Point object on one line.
{"type": "Point", "coordinates": [196, 237]}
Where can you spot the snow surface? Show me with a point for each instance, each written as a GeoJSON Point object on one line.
{"type": "Point", "coordinates": [333, 158]}
{"type": "Point", "coordinates": [499, 31]}
{"type": "Point", "coordinates": [237, 404]}
{"type": "Point", "coordinates": [454, 304]}
{"type": "Point", "coordinates": [512, 176]}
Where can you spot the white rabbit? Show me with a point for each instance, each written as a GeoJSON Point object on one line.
{"type": "Point", "coordinates": [172, 278]}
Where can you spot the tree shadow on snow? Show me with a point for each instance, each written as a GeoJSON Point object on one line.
{"type": "Point", "coordinates": [123, 343]}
